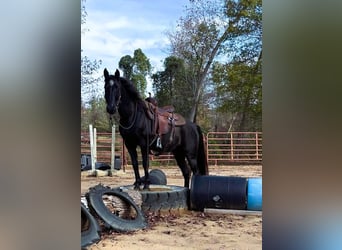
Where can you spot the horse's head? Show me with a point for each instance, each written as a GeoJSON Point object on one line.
{"type": "Point", "coordinates": [112, 91]}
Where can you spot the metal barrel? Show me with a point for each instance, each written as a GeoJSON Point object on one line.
{"type": "Point", "coordinates": [226, 192]}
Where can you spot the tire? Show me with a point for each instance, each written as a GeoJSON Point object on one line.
{"type": "Point", "coordinates": [96, 204]}
{"type": "Point", "coordinates": [160, 175]}
{"type": "Point", "coordinates": [173, 199]}
{"type": "Point", "coordinates": [92, 234]}
{"type": "Point", "coordinates": [157, 177]}
{"type": "Point", "coordinates": [101, 166]}
{"type": "Point", "coordinates": [86, 168]}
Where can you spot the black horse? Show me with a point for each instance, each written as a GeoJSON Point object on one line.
{"type": "Point", "coordinates": [136, 129]}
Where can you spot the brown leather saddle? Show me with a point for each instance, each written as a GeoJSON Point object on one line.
{"type": "Point", "coordinates": [164, 119]}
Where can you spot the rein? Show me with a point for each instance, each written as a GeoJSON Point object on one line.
{"type": "Point", "coordinates": [131, 125]}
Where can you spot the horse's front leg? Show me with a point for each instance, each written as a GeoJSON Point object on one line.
{"type": "Point", "coordinates": [145, 162]}
{"type": "Point", "coordinates": [134, 158]}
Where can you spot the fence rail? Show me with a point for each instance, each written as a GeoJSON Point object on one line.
{"type": "Point", "coordinates": [226, 147]}
{"type": "Point", "coordinates": [221, 148]}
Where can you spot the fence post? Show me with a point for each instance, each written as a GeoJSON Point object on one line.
{"type": "Point", "coordinates": [95, 147]}
{"type": "Point", "coordinates": [207, 154]}
{"type": "Point", "coordinates": [257, 145]}
{"type": "Point", "coordinates": [91, 137]}
{"type": "Point", "coordinates": [231, 146]}
{"type": "Point", "coordinates": [113, 148]}
{"type": "Point", "coordinates": [124, 161]}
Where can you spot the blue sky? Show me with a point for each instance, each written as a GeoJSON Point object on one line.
{"type": "Point", "coordinates": [118, 27]}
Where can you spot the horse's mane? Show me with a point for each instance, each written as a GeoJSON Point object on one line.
{"type": "Point", "coordinates": [131, 89]}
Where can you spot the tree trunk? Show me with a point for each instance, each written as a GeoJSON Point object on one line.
{"type": "Point", "coordinates": [247, 100]}
{"type": "Point", "coordinates": [202, 75]}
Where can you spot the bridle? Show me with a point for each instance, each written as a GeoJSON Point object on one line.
{"type": "Point", "coordinates": [111, 116]}
{"type": "Point", "coordinates": [116, 104]}
{"type": "Point", "coordinates": [122, 126]}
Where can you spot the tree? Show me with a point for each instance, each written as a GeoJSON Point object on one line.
{"type": "Point", "coordinates": [94, 114]}
{"type": "Point", "coordinates": [126, 64]}
{"type": "Point", "coordinates": [88, 67]}
{"type": "Point", "coordinates": [213, 29]}
{"type": "Point", "coordinates": [239, 93]}
{"type": "Point", "coordinates": [171, 87]}
{"type": "Point", "coordinates": [83, 15]}
{"type": "Point", "coordinates": [91, 109]}
{"type": "Point", "coordinates": [136, 69]}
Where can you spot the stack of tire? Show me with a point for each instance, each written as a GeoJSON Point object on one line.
{"type": "Point", "coordinates": [160, 198]}
{"type": "Point", "coordinates": [163, 198]}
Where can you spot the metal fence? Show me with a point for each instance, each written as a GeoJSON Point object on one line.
{"type": "Point", "coordinates": [221, 148]}
{"type": "Point", "coordinates": [227, 147]}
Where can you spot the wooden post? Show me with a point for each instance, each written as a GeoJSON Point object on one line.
{"type": "Point", "coordinates": [95, 146]}
{"type": "Point", "coordinates": [113, 149]}
{"type": "Point", "coordinates": [124, 161]}
{"type": "Point", "coordinates": [257, 145]}
{"type": "Point", "coordinates": [231, 146]}
{"type": "Point", "coordinates": [91, 137]}
{"type": "Point", "coordinates": [205, 138]}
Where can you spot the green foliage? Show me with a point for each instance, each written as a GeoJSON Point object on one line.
{"type": "Point", "coordinates": [217, 30]}
{"type": "Point", "coordinates": [126, 65]}
{"type": "Point", "coordinates": [88, 80]}
{"type": "Point", "coordinates": [245, 29]}
{"type": "Point", "coordinates": [142, 63]}
{"type": "Point", "coordinates": [212, 74]}
{"type": "Point", "coordinates": [91, 107]}
{"type": "Point", "coordinates": [239, 92]}
{"type": "Point", "coordinates": [171, 86]}
{"type": "Point", "coordinates": [136, 69]}
{"type": "Point", "coordinates": [95, 114]}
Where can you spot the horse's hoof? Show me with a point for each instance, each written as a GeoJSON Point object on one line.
{"type": "Point", "coordinates": [136, 186]}
{"type": "Point", "coordinates": [147, 187]}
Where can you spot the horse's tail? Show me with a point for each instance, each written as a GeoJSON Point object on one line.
{"type": "Point", "coordinates": [202, 163]}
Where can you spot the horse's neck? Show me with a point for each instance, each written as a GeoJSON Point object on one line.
{"type": "Point", "coordinates": [127, 107]}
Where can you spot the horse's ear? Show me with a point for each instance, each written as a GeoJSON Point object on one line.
{"type": "Point", "coordinates": [105, 73]}
{"type": "Point", "coordinates": [117, 73]}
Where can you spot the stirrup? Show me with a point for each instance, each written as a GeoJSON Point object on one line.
{"type": "Point", "coordinates": [159, 145]}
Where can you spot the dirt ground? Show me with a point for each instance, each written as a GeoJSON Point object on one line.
{"type": "Point", "coordinates": [189, 230]}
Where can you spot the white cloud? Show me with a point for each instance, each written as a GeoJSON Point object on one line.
{"type": "Point", "coordinates": [110, 40]}
{"type": "Point", "coordinates": [114, 32]}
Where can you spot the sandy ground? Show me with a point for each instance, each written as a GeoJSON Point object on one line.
{"type": "Point", "coordinates": [189, 230]}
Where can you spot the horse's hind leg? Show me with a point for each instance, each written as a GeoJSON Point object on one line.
{"type": "Point", "coordinates": [192, 159]}
{"type": "Point", "coordinates": [180, 158]}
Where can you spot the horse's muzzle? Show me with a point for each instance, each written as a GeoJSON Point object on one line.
{"type": "Point", "coordinates": [111, 109]}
